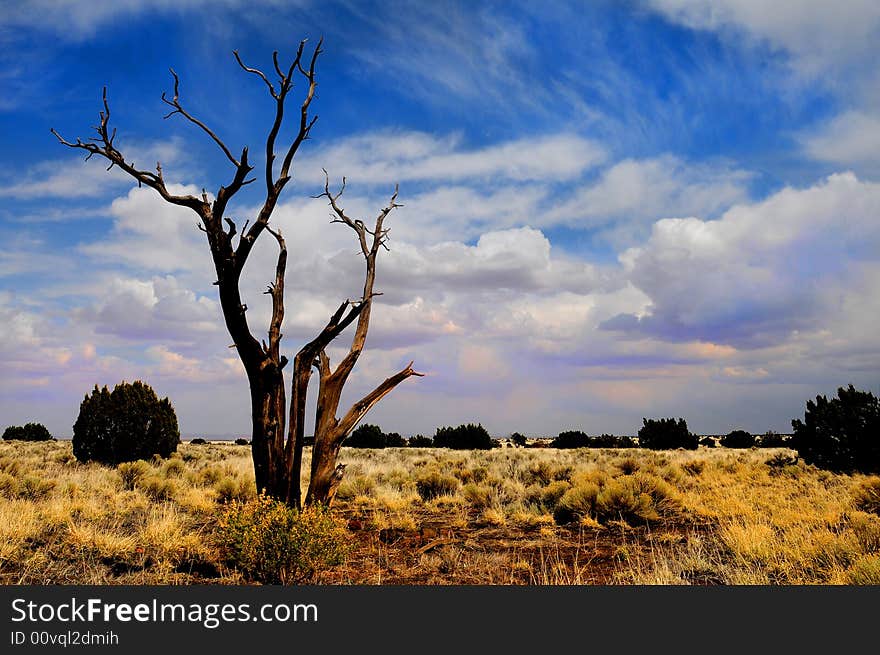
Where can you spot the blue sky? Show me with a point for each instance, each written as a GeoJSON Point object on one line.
{"type": "Point", "coordinates": [618, 210]}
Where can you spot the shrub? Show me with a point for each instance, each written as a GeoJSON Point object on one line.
{"type": "Point", "coordinates": [173, 468]}
{"type": "Point", "coordinates": [537, 472]}
{"type": "Point", "coordinates": [269, 542]}
{"type": "Point", "coordinates": [480, 496]}
{"type": "Point", "coordinates": [548, 497]}
{"type": "Point", "coordinates": [841, 434]}
{"type": "Point", "coordinates": [432, 483]}
{"type": "Point", "coordinates": [611, 441]}
{"type": "Point", "coordinates": [666, 433]}
{"type": "Point", "coordinates": [394, 440]}
{"type": "Point", "coordinates": [157, 488]}
{"type": "Point", "coordinates": [198, 441]}
{"type": "Point", "coordinates": [571, 439]}
{"type": "Point", "coordinates": [132, 473]}
{"type": "Point", "coordinates": [420, 441]}
{"type": "Point", "coordinates": [366, 436]}
{"type": "Point", "coordinates": [738, 439]}
{"type": "Point", "coordinates": [866, 496]}
{"type": "Point", "coordinates": [34, 487]}
{"type": "Point", "coordinates": [128, 424]}
{"type": "Point", "coordinates": [518, 439]}
{"type": "Point", "coordinates": [231, 489]}
{"type": "Point", "coordinates": [708, 442]}
{"type": "Point", "coordinates": [772, 439]}
{"type": "Point", "coordinates": [576, 503]}
{"type": "Point", "coordinates": [865, 571]}
{"type": "Point", "coordinates": [8, 485]}
{"type": "Point", "coordinates": [27, 432]}
{"type": "Point", "coordinates": [623, 499]}
{"type": "Point", "coordinates": [464, 437]}
{"type": "Point", "coordinates": [241, 441]}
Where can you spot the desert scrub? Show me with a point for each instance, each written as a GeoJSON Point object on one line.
{"type": "Point", "coordinates": [269, 542]}
{"type": "Point", "coordinates": [355, 486]}
{"type": "Point", "coordinates": [865, 571]}
{"type": "Point", "coordinates": [231, 489]}
{"type": "Point", "coordinates": [546, 497]}
{"type": "Point", "coordinates": [579, 502]}
{"type": "Point", "coordinates": [33, 487]}
{"type": "Point", "coordinates": [433, 484]}
{"type": "Point", "coordinates": [623, 499]}
{"type": "Point", "coordinates": [866, 495]}
{"type": "Point", "coordinates": [131, 473]}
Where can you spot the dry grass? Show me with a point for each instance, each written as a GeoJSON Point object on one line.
{"type": "Point", "coordinates": [433, 516]}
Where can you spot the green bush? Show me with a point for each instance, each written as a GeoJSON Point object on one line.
{"type": "Point", "coordinates": [841, 434]}
{"type": "Point", "coordinates": [128, 424]}
{"type": "Point", "coordinates": [464, 437]}
{"type": "Point", "coordinates": [571, 439]}
{"type": "Point", "coordinates": [241, 441]}
{"type": "Point", "coordinates": [771, 439]}
{"type": "Point", "coordinates": [738, 439]}
{"type": "Point", "coordinates": [420, 441]}
{"type": "Point", "coordinates": [366, 436]}
{"type": "Point", "coordinates": [518, 439]}
{"type": "Point", "coordinates": [394, 440]}
{"type": "Point", "coordinates": [269, 542]}
{"type": "Point", "coordinates": [666, 433]}
{"type": "Point", "coordinates": [27, 432]}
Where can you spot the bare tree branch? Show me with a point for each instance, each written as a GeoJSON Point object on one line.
{"type": "Point", "coordinates": [108, 150]}
{"type": "Point", "coordinates": [361, 407]}
{"type": "Point", "coordinates": [258, 72]}
{"type": "Point", "coordinates": [178, 109]}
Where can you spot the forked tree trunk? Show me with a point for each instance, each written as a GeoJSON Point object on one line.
{"type": "Point", "coordinates": [277, 456]}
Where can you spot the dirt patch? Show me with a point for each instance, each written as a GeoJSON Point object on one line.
{"type": "Point", "coordinates": [443, 552]}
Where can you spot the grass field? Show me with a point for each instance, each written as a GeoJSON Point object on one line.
{"type": "Point", "coordinates": [434, 516]}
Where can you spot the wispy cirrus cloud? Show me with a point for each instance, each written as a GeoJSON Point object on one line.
{"type": "Point", "coordinates": [383, 157]}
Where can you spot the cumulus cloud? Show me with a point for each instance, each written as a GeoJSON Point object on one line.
{"type": "Point", "coordinates": [635, 192]}
{"type": "Point", "coordinates": [759, 273]}
{"type": "Point", "coordinates": [158, 308]}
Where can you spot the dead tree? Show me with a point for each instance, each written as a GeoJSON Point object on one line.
{"type": "Point", "coordinates": [277, 457]}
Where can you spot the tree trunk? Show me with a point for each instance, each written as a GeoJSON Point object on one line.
{"type": "Point", "coordinates": [277, 461]}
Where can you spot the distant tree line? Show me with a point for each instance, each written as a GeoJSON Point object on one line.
{"type": "Point", "coordinates": [463, 437]}
{"type": "Point", "coordinates": [27, 432]}
{"type": "Point", "coordinates": [131, 422]}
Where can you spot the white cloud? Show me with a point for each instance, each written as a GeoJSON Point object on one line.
{"type": "Point", "coordinates": [74, 20]}
{"type": "Point", "coordinates": [390, 157]}
{"type": "Point", "coordinates": [73, 178]}
{"type": "Point", "coordinates": [850, 139]}
{"type": "Point", "coordinates": [816, 32]}
{"type": "Point", "coordinates": [155, 309]}
{"type": "Point", "coordinates": [760, 273]}
{"type": "Point", "coordinates": [634, 192]}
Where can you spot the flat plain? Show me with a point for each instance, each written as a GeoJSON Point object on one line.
{"type": "Point", "coordinates": [507, 516]}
